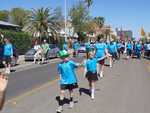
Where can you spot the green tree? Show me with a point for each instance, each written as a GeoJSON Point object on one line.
{"type": "Point", "coordinates": [89, 2]}
{"type": "Point", "coordinates": [4, 15]}
{"type": "Point", "coordinates": [79, 16]}
{"type": "Point", "coordinates": [99, 21]}
{"type": "Point", "coordinates": [41, 23]}
{"type": "Point", "coordinates": [18, 16]}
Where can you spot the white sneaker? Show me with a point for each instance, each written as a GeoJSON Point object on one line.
{"type": "Point", "coordinates": [71, 104]}
{"type": "Point", "coordinates": [92, 96]}
{"type": "Point", "coordinates": [110, 66]}
{"type": "Point", "coordinates": [7, 71]}
{"type": "Point", "coordinates": [59, 109]}
{"type": "Point", "coordinates": [101, 75]}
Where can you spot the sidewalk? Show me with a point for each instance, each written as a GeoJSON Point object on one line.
{"type": "Point", "coordinates": [22, 65]}
{"type": "Point", "coordinates": [122, 90]}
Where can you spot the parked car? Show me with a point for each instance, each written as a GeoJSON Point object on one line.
{"type": "Point", "coordinates": [14, 59]}
{"type": "Point", "coordinates": [52, 53]}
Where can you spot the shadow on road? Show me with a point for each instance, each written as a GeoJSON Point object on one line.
{"type": "Point", "coordinates": [85, 91]}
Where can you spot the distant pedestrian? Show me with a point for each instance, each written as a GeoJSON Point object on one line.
{"type": "Point", "coordinates": [76, 46]}
{"type": "Point", "coordinates": [112, 50]}
{"type": "Point", "coordinates": [87, 48]}
{"type": "Point", "coordinates": [7, 55]}
{"type": "Point", "coordinates": [100, 51]}
{"type": "Point", "coordinates": [38, 52]}
{"type": "Point", "coordinates": [129, 47]}
{"type": "Point", "coordinates": [45, 49]}
{"type": "Point", "coordinates": [138, 49]}
{"type": "Point", "coordinates": [65, 46]}
{"type": "Point", "coordinates": [68, 80]}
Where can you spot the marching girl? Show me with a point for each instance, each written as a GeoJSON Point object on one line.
{"type": "Point", "coordinates": [100, 51]}
{"type": "Point", "coordinates": [91, 72]}
{"type": "Point", "coordinates": [68, 80]}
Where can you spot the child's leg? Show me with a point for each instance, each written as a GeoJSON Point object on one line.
{"type": "Point", "coordinates": [102, 70]}
{"type": "Point", "coordinates": [71, 98]}
{"type": "Point", "coordinates": [92, 89]}
{"type": "Point", "coordinates": [110, 61]}
{"type": "Point", "coordinates": [61, 101]}
{"type": "Point", "coordinates": [98, 68]}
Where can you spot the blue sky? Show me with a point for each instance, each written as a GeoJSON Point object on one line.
{"type": "Point", "coordinates": [130, 14]}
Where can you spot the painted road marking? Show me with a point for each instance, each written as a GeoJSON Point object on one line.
{"type": "Point", "coordinates": [31, 92]}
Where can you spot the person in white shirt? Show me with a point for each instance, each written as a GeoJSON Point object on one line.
{"type": "Point", "coordinates": [38, 53]}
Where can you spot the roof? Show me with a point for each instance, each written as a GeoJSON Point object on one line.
{"type": "Point", "coordinates": [8, 24]}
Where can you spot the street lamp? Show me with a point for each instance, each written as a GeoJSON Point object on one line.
{"type": "Point", "coordinates": [65, 20]}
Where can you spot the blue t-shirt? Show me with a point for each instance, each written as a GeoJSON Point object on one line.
{"type": "Point", "coordinates": [87, 46]}
{"type": "Point", "coordinates": [76, 45]}
{"type": "Point", "coordinates": [112, 48]}
{"type": "Point", "coordinates": [65, 47]}
{"type": "Point", "coordinates": [119, 45]}
{"type": "Point", "coordinates": [138, 47]}
{"type": "Point", "coordinates": [8, 50]}
{"type": "Point", "coordinates": [91, 65]}
{"type": "Point", "coordinates": [67, 72]}
{"type": "Point", "coordinates": [100, 50]}
{"type": "Point", "coordinates": [129, 46]}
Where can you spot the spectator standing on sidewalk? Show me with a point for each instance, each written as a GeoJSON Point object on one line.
{"type": "Point", "coordinates": [45, 48]}
{"type": "Point", "coordinates": [38, 52]}
{"type": "Point", "coordinates": [7, 55]}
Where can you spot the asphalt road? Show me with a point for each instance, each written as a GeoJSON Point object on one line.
{"type": "Point", "coordinates": [23, 81]}
{"type": "Point", "coordinates": [31, 77]}
{"type": "Point", "coordinates": [124, 89]}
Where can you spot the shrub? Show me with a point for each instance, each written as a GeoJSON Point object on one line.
{"type": "Point", "coordinates": [21, 40]}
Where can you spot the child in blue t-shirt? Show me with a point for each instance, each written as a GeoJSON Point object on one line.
{"type": "Point", "coordinates": [91, 71]}
{"type": "Point", "coordinates": [138, 49]}
{"type": "Point", "coordinates": [129, 49]}
{"type": "Point", "coordinates": [68, 80]}
{"type": "Point", "coordinates": [100, 52]}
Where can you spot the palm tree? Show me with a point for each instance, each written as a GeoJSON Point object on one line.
{"type": "Point", "coordinates": [41, 23]}
{"type": "Point", "coordinates": [89, 2]}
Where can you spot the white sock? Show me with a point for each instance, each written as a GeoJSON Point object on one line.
{"type": "Point", "coordinates": [92, 93]}
{"type": "Point", "coordinates": [101, 74]}
{"type": "Point", "coordinates": [98, 68]}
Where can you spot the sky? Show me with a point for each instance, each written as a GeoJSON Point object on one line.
{"type": "Point", "coordinates": [128, 14]}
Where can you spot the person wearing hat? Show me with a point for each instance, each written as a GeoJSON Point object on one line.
{"type": "Point", "coordinates": [68, 79]}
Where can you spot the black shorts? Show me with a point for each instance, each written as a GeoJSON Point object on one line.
{"type": "Point", "coordinates": [7, 59]}
{"type": "Point", "coordinates": [91, 76]}
{"type": "Point", "coordinates": [68, 86]}
{"type": "Point", "coordinates": [129, 52]}
{"type": "Point", "coordinates": [114, 55]}
{"type": "Point", "coordinates": [102, 62]}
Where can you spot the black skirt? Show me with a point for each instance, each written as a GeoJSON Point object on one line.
{"type": "Point", "coordinates": [91, 76]}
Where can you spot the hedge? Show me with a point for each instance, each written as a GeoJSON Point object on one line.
{"type": "Point", "coordinates": [21, 40]}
